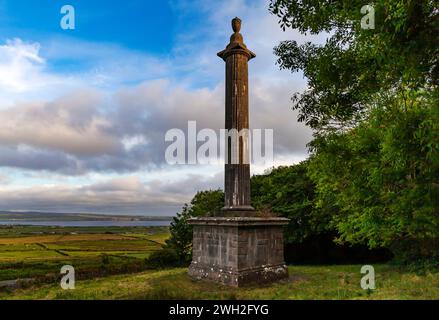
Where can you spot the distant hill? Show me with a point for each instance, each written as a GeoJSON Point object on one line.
{"type": "Point", "coordinates": [51, 216]}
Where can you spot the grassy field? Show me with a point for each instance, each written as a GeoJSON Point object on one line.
{"type": "Point", "coordinates": [306, 282]}
{"type": "Point", "coordinates": [110, 264]}
{"type": "Point", "coordinates": [40, 252]}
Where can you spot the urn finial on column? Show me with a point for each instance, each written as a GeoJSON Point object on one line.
{"type": "Point", "coordinates": [236, 24]}
{"type": "Point", "coordinates": [236, 44]}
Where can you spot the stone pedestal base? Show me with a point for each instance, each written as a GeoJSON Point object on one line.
{"type": "Point", "coordinates": [237, 251]}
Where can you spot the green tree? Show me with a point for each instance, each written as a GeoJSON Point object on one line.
{"type": "Point", "coordinates": [207, 203]}
{"type": "Point", "coordinates": [382, 177]}
{"type": "Point", "coordinates": [287, 191]}
{"type": "Point", "coordinates": [372, 100]}
{"type": "Point", "coordinates": [204, 203]}
{"type": "Point", "coordinates": [355, 64]}
{"type": "Point", "coordinates": [180, 240]}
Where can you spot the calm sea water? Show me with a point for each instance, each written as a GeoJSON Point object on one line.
{"type": "Point", "coordinates": [89, 223]}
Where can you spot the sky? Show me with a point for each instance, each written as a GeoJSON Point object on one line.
{"type": "Point", "coordinates": [84, 112]}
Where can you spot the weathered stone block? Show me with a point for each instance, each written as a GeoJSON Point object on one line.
{"type": "Point", "coordinates": [237, 251]}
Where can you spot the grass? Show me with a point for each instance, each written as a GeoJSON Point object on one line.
{"type": "Point", "coordinates": [305, 282]}
{"type": "Point", "coordinates": [110, 264]}
{"type": "Point", "coordinates": [62, 237]}
{"type": "Point", "coordinates": [23, 231]}
{"type": "Point", "coordinates": [39, 253]}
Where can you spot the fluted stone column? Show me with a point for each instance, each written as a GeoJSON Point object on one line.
{"type": "Point", "coordinates": [237, 167]}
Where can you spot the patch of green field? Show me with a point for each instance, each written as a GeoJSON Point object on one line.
{"type": "Point", "coordinates": [305, 282]}
{"type": "Point", "coordinates": [158, 237]}
{"type": "Point", "coordinates": [137, 255]}
{"type": "Point", "coordinates": [21, 231]}
{"type": "Point", "coordinates": [35, 252]}
{"type": "Point", "coordinates": [19, 247]}
{"type": "Point", "coordinates": [62, 238]}
{"type": "Point", "coordinates": [18, 256]}
{"type": "Point", "coordinates": [92, 245]}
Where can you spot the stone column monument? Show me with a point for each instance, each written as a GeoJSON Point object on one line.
{"type": "Point", "coordinates": [238, 247]}
{"type": "Point", "coordinates": [237, 167]}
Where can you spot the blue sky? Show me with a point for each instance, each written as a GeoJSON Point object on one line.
{"type": "Point", "coordinates": [85, 111]}
{"type": "Point", "coordinates": [144, 27]}
{"type": "Point", "coordinates": [135, 24]}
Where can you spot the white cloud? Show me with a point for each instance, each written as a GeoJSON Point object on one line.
{"type": "Point", "coordinates": [89, 130]}
{"type": "Point", "coordinates": [110, 115]}
{"type": "Point", "coordinates": [27, 73]}
{"type": "Point", "coordinates": [71, 124]}
{"type": "Point", "coordinates": [127, 194]}
{"type": "Point", "coordinates": [20, 65]}
{"type": "Point", "coordinates": [24, 75]}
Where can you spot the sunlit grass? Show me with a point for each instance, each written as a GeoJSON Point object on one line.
{"type": "Point", "coordinates": [24, 254]}
{"type": "Point", "coordinates": [305, 282]}
{"type": "Point", "coordinates": [101, 253]}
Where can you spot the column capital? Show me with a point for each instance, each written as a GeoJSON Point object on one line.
{"type": "Point", "coordinates": [236, 45]}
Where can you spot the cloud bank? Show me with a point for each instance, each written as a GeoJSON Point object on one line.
{"type": "Point", "coordinates": [110, 116]}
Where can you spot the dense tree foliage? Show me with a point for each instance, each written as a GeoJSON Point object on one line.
{"type": "Point", "coordinates": [289, 192]}
{"type": "Point", "coordinates": [372, 100]}
{"type": "Point", "coordinates": [382, 178]}
{"type": "Point", "coordinates": [355, 64]}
